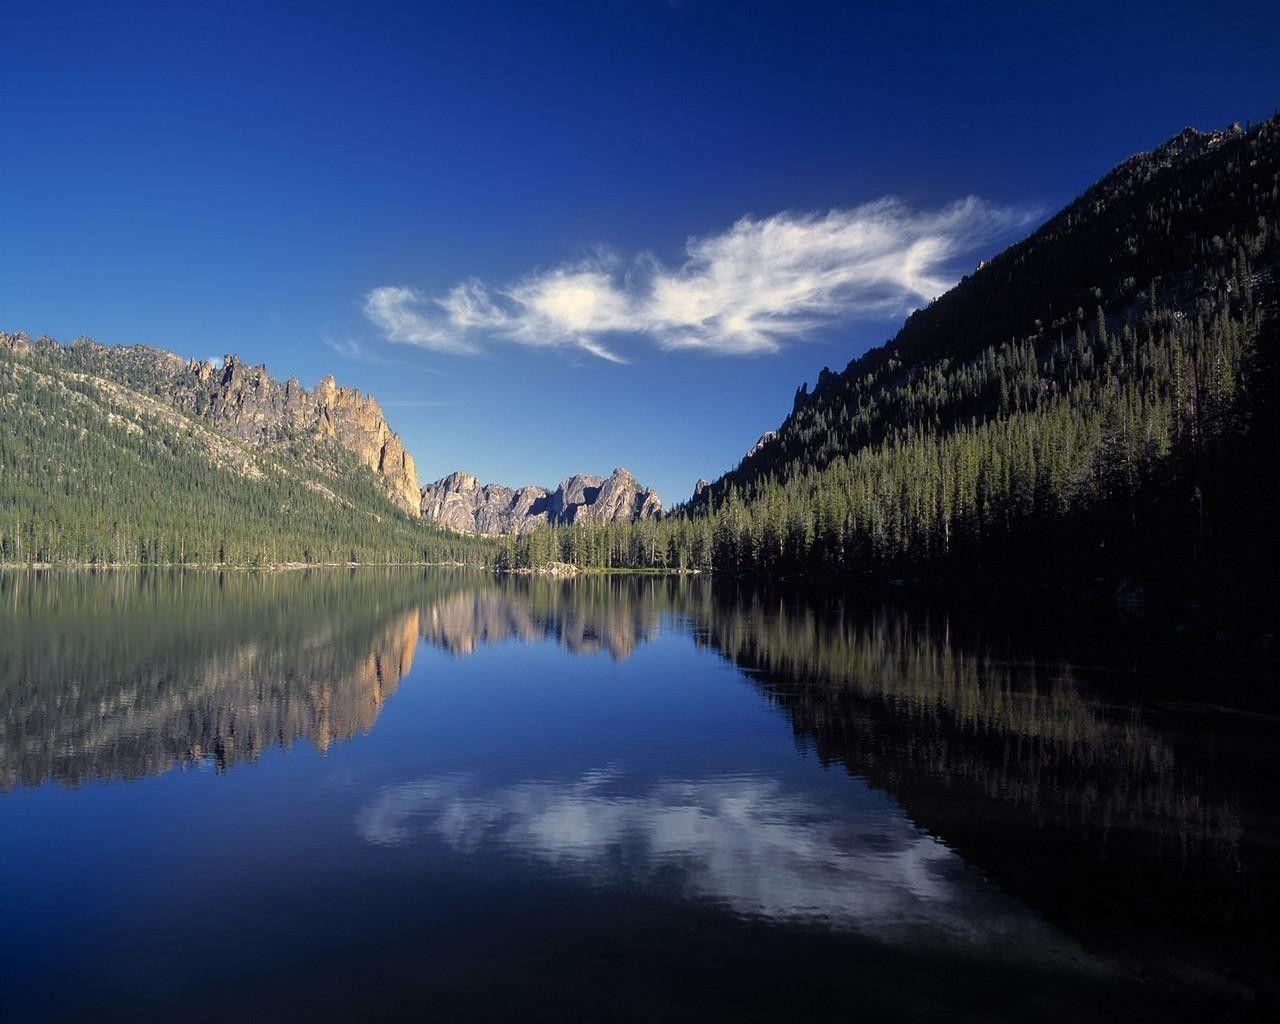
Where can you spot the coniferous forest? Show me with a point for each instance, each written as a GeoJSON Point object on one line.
{"type": "Point", "coordinates": [96, 473]}
{"type": "Point", "coordinates": [696, 512]}
{"type": "Point", "coordinates": [1098, 401]}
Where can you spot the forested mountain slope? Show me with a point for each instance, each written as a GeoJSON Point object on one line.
{"type": "Point", "coordinates": [245, 402]}
{"type": "Point", "coordinates": [1099, 400]}
{"type": "Point", "coordinates": [1171, 230]}
{"type": "Point", "coordinates": [114, 455]}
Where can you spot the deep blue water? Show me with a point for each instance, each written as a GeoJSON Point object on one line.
{"type": "Point", "coordinates": [436, 795]}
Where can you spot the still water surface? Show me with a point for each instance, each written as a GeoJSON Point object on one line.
{"type": "Point", "coordinates": [437, 795]}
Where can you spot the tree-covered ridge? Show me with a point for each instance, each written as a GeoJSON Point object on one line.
{"type": "Point", "coordinates": [246, 402]}
{"type": "Point", "coordinates": [1166, 229]}
{"type": "Point", "coordinates": [104, 469]}
{"type": "Point", "coordinates": [1011, 427]}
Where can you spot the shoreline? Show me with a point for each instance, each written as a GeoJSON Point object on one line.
{"type": "Point", "coordinates": [559, 571]}
{"type": "Point", "coordinates": [1201, 633]}
{"type": "Point", "coordinates": [223, 566]}
{"type": "Point", "coordinates": [568, 571]}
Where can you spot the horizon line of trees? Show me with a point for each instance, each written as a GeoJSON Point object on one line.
{"type": "Point", "coordinates": [87, 478]}
{"type": "Point", "coordinates": [1143, 448]}
{"type": "Point", "coordinates": [1100, 402]}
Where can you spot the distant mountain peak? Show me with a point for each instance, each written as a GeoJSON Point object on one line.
{"type": "Point", "coordinates": [763, 440]}
{"type": "Point", "coordinates": [460, 502]}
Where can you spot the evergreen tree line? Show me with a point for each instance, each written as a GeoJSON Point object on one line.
{"type": "Point", "coordinates": [1098, 401]}
{"type": "Point", "coordinates": [1141, 445]}
{"type": "Point", "coordinates": [88, 476]}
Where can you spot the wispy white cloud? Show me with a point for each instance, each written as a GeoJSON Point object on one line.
{"type": "Point", "coordinates": [355, 351]}
{"type": "Point", "coordinates": [397, 311]}
{"type": "Point", "coordinates": [747, 290]}
{"type": "Point", "coordinates": [570, 306]}
{"type": "Point", "coordinates": [412, 404]}
{"type": "Point", "coordinates": [347, 348]}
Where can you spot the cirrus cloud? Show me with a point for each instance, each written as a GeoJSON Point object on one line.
{"type": "Point", "coordinates": [747, 290]}
{"type": "Point", "coordinates": [395, 310]}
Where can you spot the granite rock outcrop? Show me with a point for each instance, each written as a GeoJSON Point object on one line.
{"type": "Point", "coordinates": [461, 502]}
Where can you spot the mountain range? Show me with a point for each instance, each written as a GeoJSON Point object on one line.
{"type": "Point", "coordinates": [461, 502]}
{"type": "Point", "coordinates": [1098, 400]}
{"type": "Point", "coordinates": [242, 423]}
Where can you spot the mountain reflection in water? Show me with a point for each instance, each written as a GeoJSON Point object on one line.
{"type": "Point", "coordinates": [120, 676]}
{"type": "Point", "coordinates": [1013, 800]}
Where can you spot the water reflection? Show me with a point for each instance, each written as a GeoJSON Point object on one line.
{"type": "Point", "coordinates": [751, 844]}
{"type": "Point", "coordinates": [529, 611]}
{"type": "Point", "coordinates": [887, 694]}
{"type": "Point", "coordinates": [1017, 780]}
{"type": "Point", "coordinates": [124, 676]}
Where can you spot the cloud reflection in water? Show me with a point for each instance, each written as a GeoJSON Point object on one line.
{"type": "Point", "coordinates": [744, 842]}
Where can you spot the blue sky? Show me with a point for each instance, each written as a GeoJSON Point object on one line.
{"type": "Point", "coordinates": [554, 238]}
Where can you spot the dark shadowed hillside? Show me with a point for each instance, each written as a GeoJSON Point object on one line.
{"type": "Point", "coordinates": [1097, 404]}
{"type": "Point", "coordinates": [1168, 230]}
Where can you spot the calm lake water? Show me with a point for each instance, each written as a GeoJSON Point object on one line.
{"type": "Point", "coordinates": [435, 795]}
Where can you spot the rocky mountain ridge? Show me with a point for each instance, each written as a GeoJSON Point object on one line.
{"type": "Point", "coordinates": [249, 403]}
{"type": "Point", "coordinates": [461, 502]}
{"type": "Point", "coordinates": [245, 402]}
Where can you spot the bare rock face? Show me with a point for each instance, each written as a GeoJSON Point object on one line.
{"type": "Point", "coordinates": [579, 491]}
{"type": "Point", "coordinates": [756, 448]}
{"type": "Point", "coordinates": [19, 342]}
{"type": "Point", "coordinates": [249, 403]}
{"type": "Point", "coordinates": [462, 503]}
{"type": "Point", "coordinates": [356, 422]}
{"type": "Point", "coordinates": [620, 498]}
{"type": "Point", "coordinates": [459, 500]}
